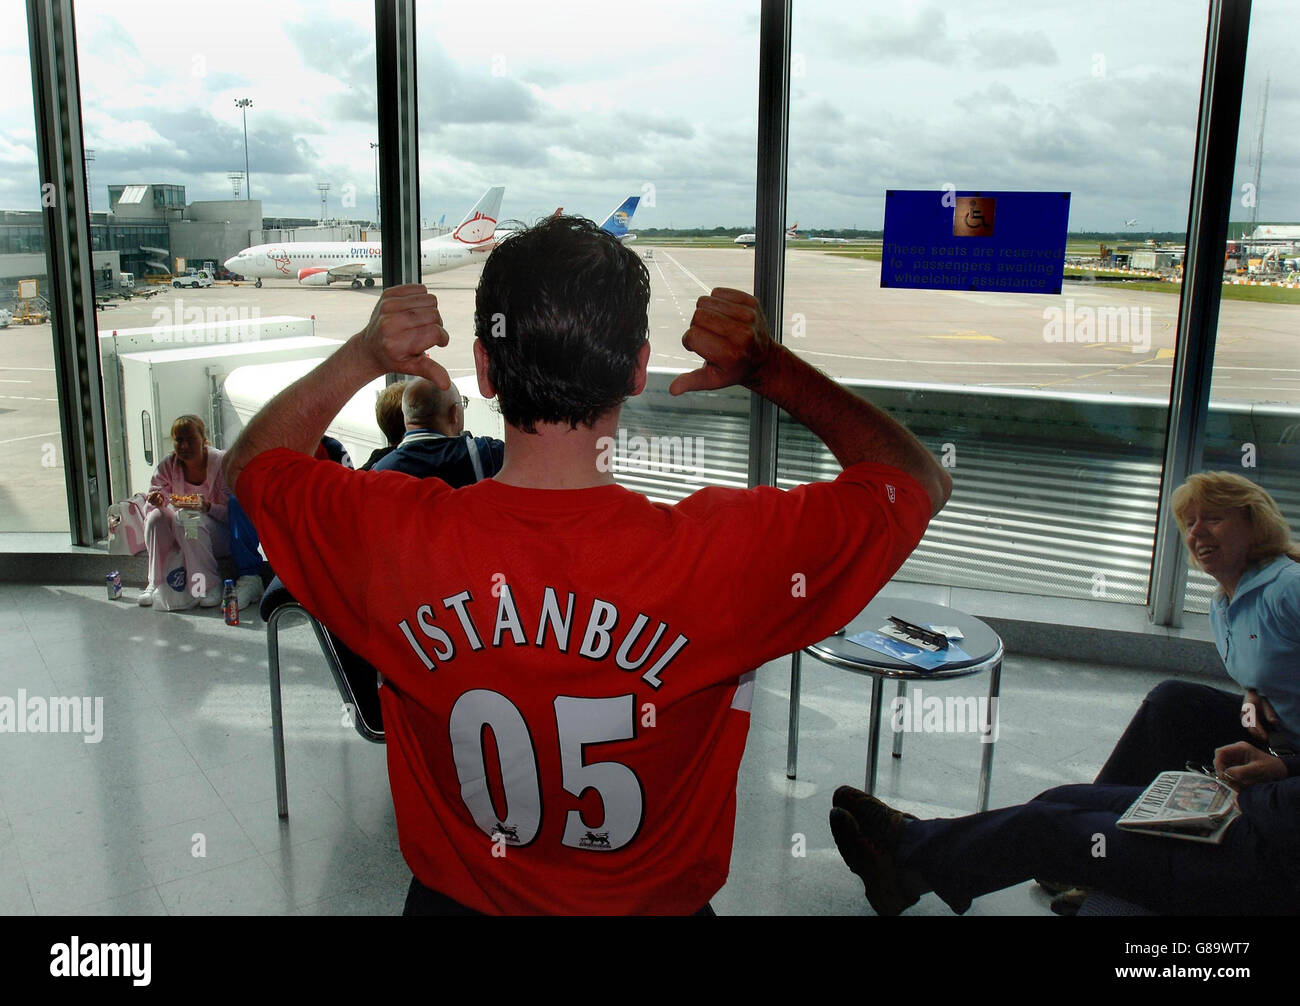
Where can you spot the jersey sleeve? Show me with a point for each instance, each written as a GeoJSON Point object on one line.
{"type": "Point", "coordinates": [804, 562]}
{"type": "Point", "coordinates": [314, 520]}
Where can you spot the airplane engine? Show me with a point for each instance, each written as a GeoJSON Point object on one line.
{"type": "Point", "coordinates": [314, 277]}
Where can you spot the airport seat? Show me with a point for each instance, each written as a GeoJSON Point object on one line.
{"type": "Point", "coordinates": [356, 679]}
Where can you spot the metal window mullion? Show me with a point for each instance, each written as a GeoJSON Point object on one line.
{"type": "Point", "coordinates": [769, 199]}
{"type": "Point", "coordinates": [61, 161]}
{"type": "Point", "coordinates": [1198, 315]}
{"type": "Point", "coordinates": [399, 140]}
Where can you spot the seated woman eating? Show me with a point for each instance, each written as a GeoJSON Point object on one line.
{"type": "Point", "coordinates": [186, 528]}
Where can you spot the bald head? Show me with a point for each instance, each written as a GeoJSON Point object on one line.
{"type": "Point", "coordinates": [425, 406]}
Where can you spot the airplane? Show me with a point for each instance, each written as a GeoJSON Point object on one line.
{"type": "Point", "coordinates": [1131, 223]}
{"type": "Point", "coordinates": [747, 240]}
{"type": "Point", "coordinates": [616, 223]}
{"type": "Point", "coordinates": [320, 263]}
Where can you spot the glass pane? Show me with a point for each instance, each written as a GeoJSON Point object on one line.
{"type": "Point", "coordinates": [1049, 410]}
{"type": "Point", "coordinates": [584, 107]}
{"type": "Point", "coordinates": [1254, 427]}
{"type": "Point", "coordinates": [235, 211]}
{"type": "Point", "coordinates": [33, 493]}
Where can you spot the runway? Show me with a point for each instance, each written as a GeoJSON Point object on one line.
{"type": "Point", "coordinates": [835, 315]}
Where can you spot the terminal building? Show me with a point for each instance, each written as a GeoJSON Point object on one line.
{"type": "Point", "coordinates": [1049, 600]}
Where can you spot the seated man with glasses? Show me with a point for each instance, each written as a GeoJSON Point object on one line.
{"type": "Point", "coordinates": [434, 445]}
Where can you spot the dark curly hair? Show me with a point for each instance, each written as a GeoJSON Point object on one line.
{"type": "Point", "coordinates": [561, 313]}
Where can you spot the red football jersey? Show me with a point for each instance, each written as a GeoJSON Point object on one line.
{"type": "Point", "coordinates": [567, 672]}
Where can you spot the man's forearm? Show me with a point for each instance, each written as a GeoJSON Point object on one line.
{"type": "Point", "coordinates": [297, 417]}
{"type": "Point", "coordinates": [852, 428]}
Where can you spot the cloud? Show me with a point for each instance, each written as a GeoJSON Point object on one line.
{"type": "Point", "coordinates": [1006, 50]}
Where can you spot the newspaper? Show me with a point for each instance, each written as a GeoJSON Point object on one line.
{"type": "Point", "coordinates": [1183, 805]}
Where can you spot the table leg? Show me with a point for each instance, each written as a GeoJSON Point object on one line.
{"type": "Point", "coordinates": [873, 740]}
{"type": "Point", "coordinates": [792, 732]}
{"type": "Point", "coordinates": [898, 734]}
{"type": "Point", "coordinates": [989, 736]}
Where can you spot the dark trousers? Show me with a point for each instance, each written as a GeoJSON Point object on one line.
{"type": "Point", "coordinates": [1177, 722]}
{"type": "Point", "coordinates": [421, 900]}
{"type": "Point", "coordinates": [1069, 834]}
{"type": "Point", "coordinates": [243, 541]}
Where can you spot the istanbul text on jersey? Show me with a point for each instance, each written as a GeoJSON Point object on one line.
{"type": "Point", "coordinates": [601, 633]}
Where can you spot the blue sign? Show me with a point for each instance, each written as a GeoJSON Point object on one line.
{"type": "Point", "coordinates": [1002, 242]}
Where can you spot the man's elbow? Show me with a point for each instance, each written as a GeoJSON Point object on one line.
{"type": "Point", "coordinates": [939, 489]}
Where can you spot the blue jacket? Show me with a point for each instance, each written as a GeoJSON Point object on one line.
{"type": "Point", "coordinates": [426, 454]}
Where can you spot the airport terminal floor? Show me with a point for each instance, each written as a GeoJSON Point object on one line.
{"type": "Point", "coordinates": [174, 811]}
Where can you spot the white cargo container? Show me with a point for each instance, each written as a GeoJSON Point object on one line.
{"type": "Point", "coordinates": [115, 342]}
{"type": "Point", "coordinates": [249, 388]}
{"type": "Point", "coordinates": [160, 385]}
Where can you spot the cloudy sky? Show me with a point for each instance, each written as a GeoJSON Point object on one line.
{"type": "Point", "coordinates": [579, 104]}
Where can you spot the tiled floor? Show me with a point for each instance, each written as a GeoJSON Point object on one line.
{"type": "Point", "coordinates": [173, 811]}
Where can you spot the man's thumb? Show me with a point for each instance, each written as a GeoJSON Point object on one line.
{"type": "Point", "coordinates": [427, 367]}
{"type": "Point", "coordinates": [702, 379]}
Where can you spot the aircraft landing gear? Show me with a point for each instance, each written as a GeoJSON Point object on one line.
{"type": "Point", "coordinates": [258, 284]}
{"type": "Point", "coordinates": [369, 282]}
{"type": "Point", "coordinates": [356, 284]}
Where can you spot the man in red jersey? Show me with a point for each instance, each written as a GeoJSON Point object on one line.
{"type": "Point", "coordinates": [567, 666]}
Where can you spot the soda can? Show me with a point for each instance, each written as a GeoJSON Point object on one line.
{"type": "Point", "coordinates": [230, 603]}
{"type": "Point", "coordinates": [114, 584]}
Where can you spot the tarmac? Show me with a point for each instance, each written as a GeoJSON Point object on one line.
{"type": "Point", "coordinates": [1093, 339]}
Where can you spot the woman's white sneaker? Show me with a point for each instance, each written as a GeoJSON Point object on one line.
{"type": "Point", "coordinates": [145, 598]}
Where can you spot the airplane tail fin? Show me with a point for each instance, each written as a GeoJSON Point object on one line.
{"type": "Point", "coordinates": [618, 222]}
{"type": "Point", "coordinates": [793, 230]}
{"type": "Point", "coordinates": [480, 223]}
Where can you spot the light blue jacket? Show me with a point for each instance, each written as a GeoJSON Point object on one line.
{"type": "Point", "coordinates": [1258, 635]}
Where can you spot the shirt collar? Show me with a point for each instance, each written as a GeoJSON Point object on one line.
{"type": "Point", "coordinates": [1260, 575]}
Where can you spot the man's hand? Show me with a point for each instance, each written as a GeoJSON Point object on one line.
{"type": "Point", "coordinates": [155, 498]}
{"type": "Point", "coordinates": [1257, 715]}
{"type": "Point", "coordinates": [1242, 764]}
{"type": "Point", "coordinates": [405, 323]}
{"type": "Point", "coordinates": [728, 329]}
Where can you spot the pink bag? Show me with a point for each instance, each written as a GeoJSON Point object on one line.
{"type": "Point", "coordinates": [126, 526]}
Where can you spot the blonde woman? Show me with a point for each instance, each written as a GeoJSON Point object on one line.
{"type": "Point", "coordinates": [1235, 532]}
{"type": "Point", "coordinates": [187, 564]}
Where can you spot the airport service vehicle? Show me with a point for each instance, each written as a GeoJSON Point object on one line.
{"type": "Point", "coordinates": [126, 280]}
{"type": "Point", "coordinates": [360, 263]}
{"type": "Point", "coordinates": [168, 381]}
{"type": "Point", "coordinates": [246, 389]}
{"type": "Point", "coordinates": [193, 279]}
{"type": "Point", "coordinates": [6, 317]}
{"type": "Point", "coordinates": [747, 240]}
{"type": "Point", "coordinates": [225, 328]}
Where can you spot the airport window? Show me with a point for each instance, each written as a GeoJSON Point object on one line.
{"type": "Point", "coordinates": [1254, 427]}
{"type": "Point", "coordinates": [189, 201]}
{"type": "Point", "coordinates": [626, 137]}
{"type": "Point", "coordinates": [34, 495]}
{"type": "Point", "coordinates": [1049, 410]}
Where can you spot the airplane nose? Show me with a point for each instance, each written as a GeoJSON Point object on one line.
{"type": "Point", "coordinates": [232, 262]}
